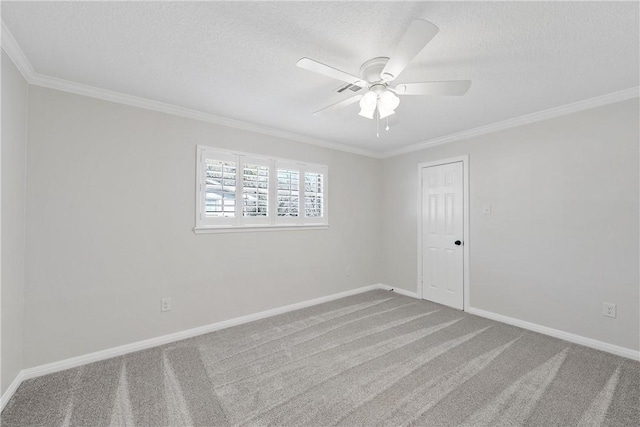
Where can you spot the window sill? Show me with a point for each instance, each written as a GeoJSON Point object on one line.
{"type": "Point", "coordinates": [252, 228]}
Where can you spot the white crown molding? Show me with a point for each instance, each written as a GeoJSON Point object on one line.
{"type": "Point", "coordinates": [135, 101]}
{"type": "Point", "coordinates": [12, 48]}
{"type": "Point", "coordinates": [16, 54]}
{"type": "Point", "coordinates": [562, 110]}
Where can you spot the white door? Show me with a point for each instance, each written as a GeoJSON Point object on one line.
{"type": "Point", "coordinates": [443, 234]}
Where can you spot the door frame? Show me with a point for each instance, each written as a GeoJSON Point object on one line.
{"type": "Point", "coordinates": [465, 223]}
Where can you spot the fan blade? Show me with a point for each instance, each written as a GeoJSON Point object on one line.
{"type": "Point", "coordinates": [340, 104]}
{"type": "Point", "coordinates": [418, 34]}
{"type": "Point", "coordinates": [320, 68]}
{"type": "Point", "coordinates": [454, 87]}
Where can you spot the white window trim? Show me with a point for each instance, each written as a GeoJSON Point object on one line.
{"type": "Point", "coordinates": [272, 222]}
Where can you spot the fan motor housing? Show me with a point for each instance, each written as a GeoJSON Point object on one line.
{"type": "Point", "coordinates": [371, 70]}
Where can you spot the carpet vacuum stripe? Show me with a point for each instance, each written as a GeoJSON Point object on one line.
{"type": "Point", "coordinates": [375, 358]}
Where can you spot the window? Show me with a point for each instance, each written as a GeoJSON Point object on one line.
{"type": "Point", "coordinates": [288, 192]}
{"type": "Point", "coordinates": [313, 194]}
{"type": "Point", "coordinates": [246, 191]}
{"type": "Point", "coordinates": [221, 188]}
{"type": "Point", "coordinates": [255, 190]}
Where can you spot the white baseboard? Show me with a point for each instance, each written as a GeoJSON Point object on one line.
{"type": "Point", "coordinates": [556, 333]}
{"type": "Point", "coordinates": [73, 362]}
{"type": "Point", "coordinates": [6, 396]}
{"type": "Point", "coordinates": [577, 339]}
{"type": "Point", "coordinates": [399, 291]}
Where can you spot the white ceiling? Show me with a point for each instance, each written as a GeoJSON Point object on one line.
{"type": "Point", "coordinates": [237, 59]}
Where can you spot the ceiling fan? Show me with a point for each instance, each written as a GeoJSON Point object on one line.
{"type": "Point", "coordinates": [378, 73]}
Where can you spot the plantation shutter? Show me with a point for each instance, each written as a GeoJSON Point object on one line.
{"type": "Point", "coordinates": [315, 195]}
{"type": "Point", "coordinates": [287, 192]}
{"type": "Point", "coordinates": [241, 190]}
{"type": "Point", "coordinates": [256, 186]}
{"type": "Point", "coordinates": [219, 179]}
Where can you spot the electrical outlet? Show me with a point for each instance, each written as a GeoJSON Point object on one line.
{"type": "Point", "coordinates": [165, 304]}
{"type": "Point", "coordinates": [608, 309]}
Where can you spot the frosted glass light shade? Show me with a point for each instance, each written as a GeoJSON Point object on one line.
{"type": "Point", "coordinates": [368, 105]}
{"type": "Point", "coordinates": [388, 101]}
{"type": "Point", "coordinates": [385, 113]}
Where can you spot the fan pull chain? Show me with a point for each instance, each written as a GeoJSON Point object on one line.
{"type": "Point", "coordinates": [387, 128]}
{"type": "Point", "coordinates": [378, 125]}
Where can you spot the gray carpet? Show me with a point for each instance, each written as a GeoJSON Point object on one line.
{"type": "Point", "coordinates": [376, 358]}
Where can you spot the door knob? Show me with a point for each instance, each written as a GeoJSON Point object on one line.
{"type": "Point", "coordinates": [458, 242]}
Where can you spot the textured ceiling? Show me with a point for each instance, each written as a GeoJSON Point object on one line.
{"type": "Point", "coordinates": [237, 59]}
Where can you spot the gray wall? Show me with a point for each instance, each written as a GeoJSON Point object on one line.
{"type": "Point", "coordinates": [110, 213]}
{"type": "Point", "coordinates": [563, 235]}
{"type": "Point", "coordinates": [14, 149]}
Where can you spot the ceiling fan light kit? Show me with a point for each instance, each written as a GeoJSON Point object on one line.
{"type": "Point", "coordinates": [379, 98]}
{"type": "Point", "coordinates": [377, 73]}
